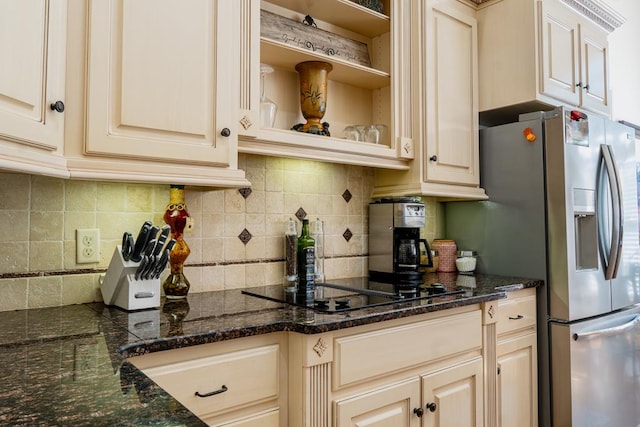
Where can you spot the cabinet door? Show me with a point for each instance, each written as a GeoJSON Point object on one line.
{"type": "Point", "coordinates": [161, 82]}
{"type": "Point", "coordinates": [390, 406]}
{"type": "Point", "coordinates": [517, 387]}
{"type": "Point", "coordinates": [32, 54]}
{"type": "Point", "coordinates": [595, 68]}
{"type": "Point", "coordinates": [454, 396]}
{"type": "Point", "coordinates": [451, 154]}
{"type": "Point", "coordinates": [560, 52]}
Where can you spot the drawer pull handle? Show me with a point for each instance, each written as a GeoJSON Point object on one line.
{"type": "Point", "coordinates": [213, 393]}
{"type": "Point", "coordinates": [518, 317]}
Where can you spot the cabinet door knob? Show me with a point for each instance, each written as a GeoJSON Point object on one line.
{"type": "Point", "coordinates": [586, 87]}
{"type": "Point", "coordinates": [225, 132]}
{"type": "Point", "coordinates": [419, 412]}
{"type": "Point", "coordinates": [432, 406]}
{"type": "Point", "coordinates": [433, 158]}
{"type": "Point", "coordinates": [57, 106]}
{"type": "Point", "coordinates": [579, 84]}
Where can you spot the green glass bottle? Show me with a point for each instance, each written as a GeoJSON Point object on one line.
{"type": "Point", "coordinates": [306, 263]}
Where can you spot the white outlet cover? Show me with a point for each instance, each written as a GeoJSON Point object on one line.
{"type": "Point", "coordinates": [87, 245]}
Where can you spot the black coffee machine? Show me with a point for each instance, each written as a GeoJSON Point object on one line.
{"type": "Point", "coordinates": [394, 241]}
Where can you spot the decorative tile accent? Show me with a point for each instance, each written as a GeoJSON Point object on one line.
{"type": "Point", "coordinates": [347, 234]}
{"type": "Point", "coordinates": [347, 195]}
{"type": "Point", "coordinates": [246, 122]}
{"type": "Point", "coordinates": [320, 347]}
{"type": "Point", "coordinates": [245, 236]}
{"type": "Point", "coordinates": [301, 214]}
{"type": "Point", "coordinates": [491, 311]}
{"type": "Point", "coordinates": [246, 192]}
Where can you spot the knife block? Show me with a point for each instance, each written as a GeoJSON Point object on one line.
{"type": "Point", "coordinates": [119, 286]}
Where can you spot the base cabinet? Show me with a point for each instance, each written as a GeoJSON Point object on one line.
{"type": "Point", "coordinates": [454, 396]}
{"type": "Point", "coordinates": [391, 406]}
{"type": "Point", "coordinates": [517, 361]}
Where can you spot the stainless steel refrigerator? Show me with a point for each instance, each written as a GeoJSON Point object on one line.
{"type": "Point", "coordinates": [563, 207]}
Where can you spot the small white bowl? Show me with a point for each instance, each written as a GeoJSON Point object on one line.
{"type": "Point", "coordinates": [466, 264]}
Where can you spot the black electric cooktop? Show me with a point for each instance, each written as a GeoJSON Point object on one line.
{"type": "Point", "coordinates": [345, 295]}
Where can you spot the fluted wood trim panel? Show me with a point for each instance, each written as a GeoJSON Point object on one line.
{"type": "Point", "coordinates": [318, 403]}
{"type": "Point", "coordinates": [490, 373]}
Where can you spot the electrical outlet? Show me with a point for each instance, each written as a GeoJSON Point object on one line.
{"type": "Point", "coordinates": [87, 245]}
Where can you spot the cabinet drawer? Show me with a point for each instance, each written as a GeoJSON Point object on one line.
{"type": "Point", "coordinates": [239, 378]}
{"type": "Point", "coordinates": [516, 312]}
{"type": "Point", "coordinates": [375, 353]}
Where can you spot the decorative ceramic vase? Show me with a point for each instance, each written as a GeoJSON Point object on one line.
{"type": "Point", "coordinates": [313, 96]}
{"type": "Point", "coordinates": [176, 215]}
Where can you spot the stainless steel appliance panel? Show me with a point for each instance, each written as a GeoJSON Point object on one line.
{"type": "Point", "coordinates": [381, 237]}
{"type": "Point", "coordinates": [595, 367]}
{"type": "Point", "coordinates": [625, 288]}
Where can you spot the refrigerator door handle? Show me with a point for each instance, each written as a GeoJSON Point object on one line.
{"type": "Point", "coordinates": [615, 252]}
{"type": "Point", "coordinates": [608, 331]}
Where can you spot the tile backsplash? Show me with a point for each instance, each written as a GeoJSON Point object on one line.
{"type": "Point", "coordinates": [41, 215]}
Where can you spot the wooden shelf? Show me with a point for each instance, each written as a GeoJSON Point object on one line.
{"type": "Point", "coordinates": [286, 56]}
{"type": "Point", "coordinates": [343, 13]}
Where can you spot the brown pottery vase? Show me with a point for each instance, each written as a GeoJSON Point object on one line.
{"type": "Point", "coordinates": [313, 96]}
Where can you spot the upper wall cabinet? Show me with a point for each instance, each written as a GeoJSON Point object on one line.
{"type": "Point", "coordinates": [445, 106]}
{"type": "Point", "coordinates": [160, 93]}
{"type": "Point", "coordinates": [369, 84]}
{"type": "Point", "coordinates": [538, 53]}
{"type": "Point", "coordinates": [32, 86]}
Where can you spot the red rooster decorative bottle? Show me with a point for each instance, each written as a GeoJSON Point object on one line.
{"type": "Point", "coordinates": [176, 215]}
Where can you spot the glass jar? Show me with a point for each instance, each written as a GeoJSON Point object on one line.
{"type": "Point", "coordinates": [466, 261]}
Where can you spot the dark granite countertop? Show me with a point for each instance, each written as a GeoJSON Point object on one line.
{"type": "Point", "coordinates": [68, 365]}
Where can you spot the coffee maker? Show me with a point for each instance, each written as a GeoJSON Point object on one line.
{"type": "Point", "coordinates": [394, 241]}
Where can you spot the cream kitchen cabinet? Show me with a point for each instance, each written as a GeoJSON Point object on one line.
{"type": "Point", "coordinates": [32, 86]}
{"type": "Point", "coordinates": [238, 383]}
{"type": "Point", "coordinates": [153, 93]}
{"type": "Point", "coordinates": [536, 54]}
{"type": "Point", "coordinates": [357, 94]}
{"type": "Point", "coordinates": [405, 372]}
{"type": "Point", "coordinates": [445, 106]}
{"type": "Point", "coordinates": [517, 367]}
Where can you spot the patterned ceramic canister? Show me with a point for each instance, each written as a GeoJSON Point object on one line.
{"type": "Point", "coordinates": [447, 254]}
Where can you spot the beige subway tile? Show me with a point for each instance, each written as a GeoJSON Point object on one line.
{"type": "Point", "coordinates": [293, 182]}
{"type": "Point", "coordinates": [213, 249]}
{"type": "Point", "coordinates": [274, 247]}
{"type": "Point", "coordinates": [234, 276]}
{"type": "Point", "coordinates": [256, 224]}
{"type": "Point", "coordinates": [233, 202]}
{"type": "Point", "coordinates": [195, 246]}
{"type": "Point", "coordinates": [274, 163]}
{"type": "Point", "coordinates": [111, 197]}
{"type": "Point", "coordinates": [80, 196]}
{"type": "Point", "coordinates": [45, 256]}
{"type": "Point", "coordinates": [212, 225]}
{"type": "Point", "coordinates": [274, 273]}
{"type": "Point", "coordinates": [234, 224]}
{"type": "Point", "coordinates": [234, 249]}
{"type": "Point", "coordinates": [213, 202]}
{"type": "Point", "coordinates": [80, 289]}
{"type": "Point", "coordinates": [255, 248]}
{"type": "Point", "coordinates": [44, 291]}
{"type": "Point", "coordinates": [255, 203]}
{"type": "Point", "coordinates": [255, 275]}
{"type": "Point", "coordinates": [13, 294]}
{"type": "Point", "coordinates": [47, 194]}
{"type": "Point", "coordinates": [139, 198]}
{"type": "Point", "coordinates": [292, 202]}
{"type": "Point", "coordinates": [274, 202]}
{"type": "Point", "coordinates": [194, 201]}
{"type": "Point", "coordinates": [14, 257]}
{"type": "Point", "coordinates": [194, 276]}
{"type": "Point", "coordinates": [338, 205]}
{"type": "Point", "coordinates": [46, 226]}
{"type": "Point", "coordinates": [274, 180]}
{"type": "Point", "coordinates": [15, 191]}
{"type": "Point", "coordinates": [213, 278]}
{"type": "Point", "coordinates": [76, 220]}
{"type": "Point", "coordinates": [16, 226]}
{"type": "Point", "coordinates": [275, 225]}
